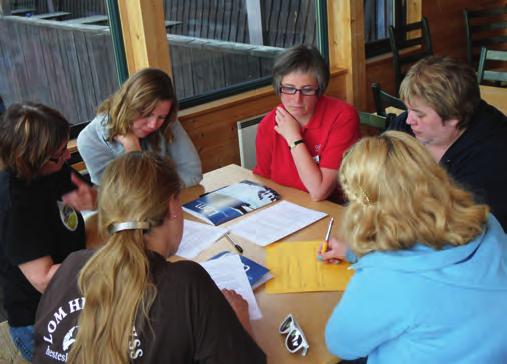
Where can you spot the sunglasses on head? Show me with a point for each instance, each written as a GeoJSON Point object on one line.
{"type": "Point", "coordinates": [295, 339]}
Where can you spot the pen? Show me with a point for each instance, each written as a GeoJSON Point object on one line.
{"type": "Point", "coordinates": [328, 234]}
{"type": "Point", "coordinates": [236, 246]}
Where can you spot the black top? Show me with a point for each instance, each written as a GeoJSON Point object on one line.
{"type": "Point", "coordinates": [34, 223]}
{"type": "Point", "coordinates": [191, 321]}
{"type": "Point", "coordinates": [478, 158]}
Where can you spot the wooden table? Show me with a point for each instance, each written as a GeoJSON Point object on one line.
{"type": "Point", "coordinates": [310, 309]}
{"type": "Point", "coordinates": [496, 96]}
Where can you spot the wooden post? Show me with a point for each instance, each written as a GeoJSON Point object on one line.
{"type": "Point", "coordinates": [346, 47]}
{"type": "Point", "coordinates": [144, 34]}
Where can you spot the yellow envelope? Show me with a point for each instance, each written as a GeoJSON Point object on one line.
{"type": "Point", "coordinates": [295, 268]}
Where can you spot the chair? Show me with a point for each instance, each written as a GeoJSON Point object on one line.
{"type": "Point", "coordinates": [399, 39]}
{"type": "Point", "coordinates": [383, 100]}
{"type": "Point", "coordinates": [492, 74]}
{"type": "Point", "coordinates": [485, 28]}
{"type": "Point", "coordinates": [372, 120]}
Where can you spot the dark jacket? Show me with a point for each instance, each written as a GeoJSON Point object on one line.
{"type": "Point", "coordinates": [478, 158]}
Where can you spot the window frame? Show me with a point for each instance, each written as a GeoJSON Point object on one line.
{"type": "Point", "coordinates": [381, 46]}
{"type": "Point", "coordinates": [120, 58]}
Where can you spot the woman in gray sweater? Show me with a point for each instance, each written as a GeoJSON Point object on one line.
{"type": "Point", "coordinates": [141, 115]}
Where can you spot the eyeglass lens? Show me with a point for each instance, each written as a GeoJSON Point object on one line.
{"type": "Point", "coordinates": [294, 340]}
{"type": "Point", "coordinates": [306, 91]}
{"type": "Point", "coordinates": [286, 325]}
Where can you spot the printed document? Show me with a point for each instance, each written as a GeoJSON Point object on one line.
{"type": "Point", "coordinates": [227, 272]}
{"type": "Point", "coordinates": [198, 237]}
{"type": "Point", "coordinates": [275, 223]}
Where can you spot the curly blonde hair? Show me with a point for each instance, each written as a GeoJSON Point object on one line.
{"type": "Point", "coordinates": [398, 196]}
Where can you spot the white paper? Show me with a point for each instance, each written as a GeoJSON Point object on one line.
{"type": "Point", "coordinates": [276, 222]}
{"type": "Point", "coordinates": [198, 237]}
{"type": "Point", "coordinates": [227, 271]}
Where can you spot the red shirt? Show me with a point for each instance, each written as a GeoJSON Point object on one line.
{"type": "Point", "coordinates": [333, 128]}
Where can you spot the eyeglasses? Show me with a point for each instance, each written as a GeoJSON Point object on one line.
{"type": "Point", "coordinates": [305, 91]}
{"type": "Point", "coordinates": [295, 339]}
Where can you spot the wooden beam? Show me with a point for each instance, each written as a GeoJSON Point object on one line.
{"type": "Point", "coordinates": [144, 34]}
{"type": "Point", "coordinates": [346, 46]}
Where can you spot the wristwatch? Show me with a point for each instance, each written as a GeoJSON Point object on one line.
{"type": "Point", "coordinates": [293, 144]}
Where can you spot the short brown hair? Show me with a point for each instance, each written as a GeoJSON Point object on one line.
{"type": "Point", "coordinates": [304, 59]}
{"type": "Point", "coordinates": [446, 85]}
{"type": "Point", "coordinates": [29, 134]}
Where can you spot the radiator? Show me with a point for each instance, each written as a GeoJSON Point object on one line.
{"type": "Point", "coordinates": [247, 130]}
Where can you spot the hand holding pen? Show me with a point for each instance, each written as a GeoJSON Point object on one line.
{"type": "Point", "coordinates": [335, 253]}
{"type": "Point", "coordinates": [331, 250]}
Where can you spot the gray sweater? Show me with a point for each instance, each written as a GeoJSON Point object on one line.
{"type": "Point", "coordinates": [97, 151]}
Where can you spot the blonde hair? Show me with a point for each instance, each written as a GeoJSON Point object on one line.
{"type": "Point", "coordinates": [139, 96]}
{"type": "Point", "coordinates": [116, 281]}
{"type": "Point", "coordinates": [399, 196]}
{"type": "Point", "coordinates": [29, 134]}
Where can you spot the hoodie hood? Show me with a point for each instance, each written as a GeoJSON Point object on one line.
{"type": "Point", "coordinates": [480, 264]}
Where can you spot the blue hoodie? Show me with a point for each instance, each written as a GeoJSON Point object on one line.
{"type": "Point", "coordinates": [426, 306]}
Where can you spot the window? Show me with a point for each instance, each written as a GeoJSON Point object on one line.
{"type": "Point", "coordinates": [58, 53]}
{"type": "Point", "coordinates": [220, 47]}
{"type": "Point", "coordinates": [378, 15]}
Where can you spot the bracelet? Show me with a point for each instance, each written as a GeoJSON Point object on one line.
{"type": "Point", "coordinates": [293, 145]}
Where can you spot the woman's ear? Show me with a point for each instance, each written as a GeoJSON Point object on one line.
{"type": "Point", "coordinates": [174, 207]}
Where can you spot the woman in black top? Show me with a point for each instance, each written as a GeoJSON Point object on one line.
{"type": "Point", "coordinates": [39, 225]}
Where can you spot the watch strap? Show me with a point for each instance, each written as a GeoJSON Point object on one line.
{"type": "Point", "coordinates": [293, 144]}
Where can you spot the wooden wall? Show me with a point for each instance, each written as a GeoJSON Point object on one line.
{"type": "Point", "coordinates": [447, 28]}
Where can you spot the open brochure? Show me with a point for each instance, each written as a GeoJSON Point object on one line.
{"type": "Point", "coordinates": [230, 202]}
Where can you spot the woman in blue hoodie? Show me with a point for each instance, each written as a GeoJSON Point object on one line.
{"type": "Point", "coordinates": [431, 271]}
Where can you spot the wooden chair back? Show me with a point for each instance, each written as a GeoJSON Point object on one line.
{"type": "Point", "coordinates": [401, 38]}
{"type": "Point", "coordinates": [373, 120]}
{"type": "Point", "coordinates": [383, 100]}
{"type": "Point", "coordinates": [493, 74]}
{"type": "Point", "coordinates": [485, 28]}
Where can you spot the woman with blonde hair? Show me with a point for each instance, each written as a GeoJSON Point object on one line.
{"type": "Point", "coordinates": [141, 115]}
{"type": "Point", "coordinates": [125, 303]}
{"type": "Point", "coordinates": [430, 262]}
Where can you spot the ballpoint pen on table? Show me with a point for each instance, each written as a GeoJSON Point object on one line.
{"type": "Point", "coordinates": [236, 245]}
{"type": "Point", "coordinates": [328, 234]}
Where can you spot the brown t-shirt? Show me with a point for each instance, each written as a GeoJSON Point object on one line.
{"type": "Point", "coordinates": [191, 320]}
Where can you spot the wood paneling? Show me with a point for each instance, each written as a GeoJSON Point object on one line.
{"type": "Point", "coordinates": [447, 23]}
